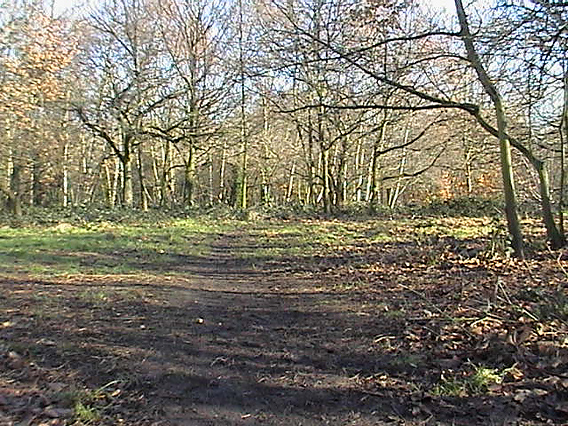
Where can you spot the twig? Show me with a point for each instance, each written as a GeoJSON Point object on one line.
{"type": "Point", "coordinates": [109, 384]}
{"type": "Point", "coordinates": [423, 297]}
{"type": "Point", "coordinates": [562, 268]}
{"type": "Point", "coordinates": [532, 277]}
{"type": "Point", "coordinates": [504, 291]}
{"type": "Point", "coordinates": [499, 285]}
{"type": "Point", "coordinates": [486, 318]}
{"type": "Point", "coordinates": [442, 313]}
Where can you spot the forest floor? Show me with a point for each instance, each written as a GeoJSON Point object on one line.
{"type": "Point", "coordinates": [302, 322]}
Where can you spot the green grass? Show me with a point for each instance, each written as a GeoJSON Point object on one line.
{"type": "Point", "coordinates": [309, 238]}
{"type": "Point", "coordinates": [477, 382]}
{"type": "Point", "coordinates": [162, 245]}
{"type": "Point", "coordinates": [86, 414]}
{"type": "Point", "coordinates": [105, 248]}
{"type": "Point", "coordinates": [87, 405]}
{"type": "Point", "coordinates": [482, 378]}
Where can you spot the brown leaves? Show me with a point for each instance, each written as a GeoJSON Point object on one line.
{"type": "Point", "coordinates": [464, 306]}
{"type": "Point", "coordinates": [40, 49]}
{"type": "Point", "coordinates": [30, 394]}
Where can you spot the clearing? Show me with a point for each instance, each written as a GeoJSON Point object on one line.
{"type": "Point", "coordinates": [299, 322]}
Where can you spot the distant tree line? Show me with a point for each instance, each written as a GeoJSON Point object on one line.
{"type": "Point", "coordinates": [321, 103]}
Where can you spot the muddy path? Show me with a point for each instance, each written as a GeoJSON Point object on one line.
{"type": "Point", "coordinates": [229, 340]}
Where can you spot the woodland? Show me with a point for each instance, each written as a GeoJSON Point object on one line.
{"type": "Point", "coordinates": [283, 212]}
{"type": "Point", "coordinates": [317, 104]}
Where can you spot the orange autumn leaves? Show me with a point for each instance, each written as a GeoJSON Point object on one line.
{"type": "Point", "coordinates": [38, 49]}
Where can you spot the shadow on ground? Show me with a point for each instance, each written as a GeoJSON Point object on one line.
{"type": "Point", "coordinates": [233, 344]}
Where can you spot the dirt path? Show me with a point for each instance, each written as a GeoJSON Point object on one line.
{"type": "Point", "coordinates": [233, 339]}
{"type": "Point", "coordinates": [263, 348]}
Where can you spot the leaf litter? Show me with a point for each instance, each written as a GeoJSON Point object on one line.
{"type": "Point", "coordinates": [432, 329]}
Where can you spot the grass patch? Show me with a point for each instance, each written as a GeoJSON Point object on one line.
{"type": "Point", "coordinates": [88, 406]}
{"type": "Point", "coordinates": [104, 247]}
{"type": "Point", "coordinates": [86, 414]}
{"type": "Point", "coordinates": [157, 245]}
{"type": "Point", "coordinates": [332, 238]}
{"type": "Point", "coordinates": [475, 382]}
{"type": "Point", "coordinates": [99, 297]}
{"type": "Point", "coordinates": [160, 245]}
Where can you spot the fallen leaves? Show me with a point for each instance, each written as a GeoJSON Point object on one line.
{"type": "Point", "coordinates": [436, 326]}
{"type": "Point", "coordinates": [464, 304]}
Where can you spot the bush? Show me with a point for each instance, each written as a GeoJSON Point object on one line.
{"type": "Point", "coordinates": [465, 206]}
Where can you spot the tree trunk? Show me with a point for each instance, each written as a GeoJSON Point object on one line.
{"type": "Point", "coordinates": [359, 160]}
{"type": "Point", "coordinates": [555, 237]}
{"type": "Point", "coordinates": [15, 192]}
{"type": "Point", "coordinates": [127, 190]}
{"type": "Point", "coordinates": [65, 177]}
{"type": "Point", "coordinates": [468, 171]}
{"type": "Point", "coordinates": [325, 173]}
{"type": "Point", "coordinates": [242, 182]}
{"type": "Point", "coordinates": [343, 179]}
{"type": "Point", "coordinates": [563, 138]}
{"type": "Point", "coordinates": [142, 185]}
{"type": "Point", "coordinates": [85, 177]}
{"type": "Point", "coordinates": [114, 193]}
{"type": "Point", "coordinates": [189, 177]}
{"type": "Point", "coordinates": [211, 179]}
{"type": "Point", "coordinates": [108, 187]}
{"type": "Point", "coordinates": [165, 193]}
{"type": "Point", "coordinates": [340, 175]}
{"type": "Point", "coordinates": [562, 180]}
{"type": "Point", "coordinates": [290, 188]}
{"type": "Point", "coordinates": [157, 188]}
{"type": "Point", "coordinates": [311, 168]}
{"type": "Point", "coordinates": [395, 194]}
{"type": "Point", "coordinates": [222, 168]}
{"type": "Point", "coordinates": [65, 165]}
{"type": "Point", "coordinates": [513, 223]}
{"type": "Point", "coordinates": [373, 195]}
{"type": "Point", "coordinates": [264, 188]}
{"type": "Point", "coordinates": [36, 198]}
{"type": "Point", "coordinates": [242, 179]}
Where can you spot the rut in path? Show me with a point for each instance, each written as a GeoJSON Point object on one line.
{"type": "Point", "coordinates": [263, 348]}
